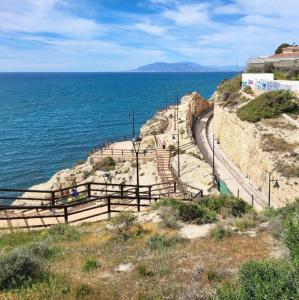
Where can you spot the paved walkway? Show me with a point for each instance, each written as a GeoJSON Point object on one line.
{"type": "Point", "coordinates": [235, 180]}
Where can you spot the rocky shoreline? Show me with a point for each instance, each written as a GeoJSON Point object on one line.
{"type": "Point", "coordinates": [119, 167]}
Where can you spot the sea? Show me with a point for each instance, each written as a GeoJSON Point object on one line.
{"type": "Point", "coordinates": [49, 121]}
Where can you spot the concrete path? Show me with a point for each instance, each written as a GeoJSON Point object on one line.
{"type": "Point", "coordinates": [235, 180]}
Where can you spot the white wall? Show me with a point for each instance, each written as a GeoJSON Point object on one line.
{"type": "Point", "coordinates": [266, 82]}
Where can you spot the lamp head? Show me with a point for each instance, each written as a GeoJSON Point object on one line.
{"type": "Point", "coordinates": [136, 140]}
{"type": "Point", "coordinates": [276, 184]}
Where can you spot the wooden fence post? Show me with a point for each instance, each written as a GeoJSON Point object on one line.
{"type": "Point", "coordinates": [88, 189]}
{"type": "Point", "coordinates": [174, 186]}
{"type": "Point", "coordinates": [53, 201]}
{"type": "Point", "coordinates": [150, 193]}
{"type": "Point", "coordinates": [138, 198]}
{"type": "Point", "coordinates": [65, 215]}
{"type": "Point", "coordinates": [122, 190]}
{"type": "Point", "coordinates": [109, 207]}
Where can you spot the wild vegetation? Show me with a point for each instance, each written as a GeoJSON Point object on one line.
{"type": "Point", "coordinates": [127, 258]}
{"type": "Point", "coordinates": [271, 279]}
{"type": "Point", "coordinates": [268, 105]}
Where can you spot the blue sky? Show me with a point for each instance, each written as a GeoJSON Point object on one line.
{"type": "Point", "coordinates": [119, 35]}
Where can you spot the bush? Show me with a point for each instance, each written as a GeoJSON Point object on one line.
{"type": "Point", "coordinates": [169, 217]}
{"type": "Point", "coordinates": [268, 280]}
{"type": "Point", "coordinates": [293, 72]}
{"type": "Point", "coordinates": [219, 232]}
{"type": "Point", "coordinates": [292, 237]}
{"type": "Point", "coordinates": [269, 67]}
{"type": "Point", "coordinates": [268, 105]}
{"type": "Point", "coordinates": [248, 90]}
{"type": "Point", "coordinates": [234, 206]}
{"type": "Point", "coordinates": [143, 271]}
{"type": "Point", "coordinates": [83, 290]}
{"type": "Point", "coordinates": [63, 232]}
{"type": "Point", "coordinates": [19, 267]}
{"type": "Point", "coordinates": [189, 212]}
{"type": "Point", "coordinates": [244, 224]}
{"type": "Point", "coordinates": [232, 85]}
{"type": "Point", "coordinates": [123, 224]}
{"type": "Point", "coordinates": [90, 264]}
{"type": "Point", "coordinates": [160, 242]}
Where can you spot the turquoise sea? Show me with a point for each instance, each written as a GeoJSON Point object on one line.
{"type": "Point", "coordinates": [48, 121]}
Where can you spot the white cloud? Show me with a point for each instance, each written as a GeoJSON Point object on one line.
{"type": "Point", "coordinates": [150, 28]}
{"type": "Point", "coordinates": [190, 14]}
{"type": "Point", "coordinates": [43, 16]}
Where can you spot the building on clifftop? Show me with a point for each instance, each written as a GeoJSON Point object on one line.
{"type": "Point", "coordinates": [288, 58]}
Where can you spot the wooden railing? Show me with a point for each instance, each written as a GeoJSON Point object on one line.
{"type": "Point", "coordinates": [93, 200]}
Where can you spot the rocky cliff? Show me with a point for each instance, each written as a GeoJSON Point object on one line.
{"type": "Point", "coordinates": [270, 145]}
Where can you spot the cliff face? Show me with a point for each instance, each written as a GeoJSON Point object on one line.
{"type": "Point", "coordinates": [259, 148]}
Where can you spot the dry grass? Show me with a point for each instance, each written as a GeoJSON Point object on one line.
{"type": "Point", "coordinates": [166, 273]}
{"type": "Point", "coordinates": [272, 143]}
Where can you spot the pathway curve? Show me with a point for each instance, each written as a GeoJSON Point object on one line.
{"type": "Point", "coordinates": [230, 174]}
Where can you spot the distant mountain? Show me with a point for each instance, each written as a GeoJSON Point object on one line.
{"type": "Point", "coordinates": [184, 67]}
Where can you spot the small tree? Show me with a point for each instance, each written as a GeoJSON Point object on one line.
{"type": "Point", "coordinates": [279, 49]}
{"type": "Point", "coordinates": [123, 224]}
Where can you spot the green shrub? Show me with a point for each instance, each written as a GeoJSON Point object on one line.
{"type": "Point", "coordinates": [63, 232]}
{"type": "Point", "coordinates": [227, 292]}
{"type": "Point", "coordinates": [232, 85]}
{"type": "Point", "coordinates": [219, 232]}
{"type": "Point", "coordinates": [169, 217]}
{"type": "Point", "coordinates": [269, 67]}
{"type": "Point", "coordinates": [18, 238]}
{"type": "Point", "coordinates": [214, 275]}
{"type": "Point", "coordinates": [189, 211]}
{"type": "Point", "coordinates": [268, 105]}
{"type": "Point", "coordinates": [288, 170]}
{"type": "Point", "coordinates": [292, 237]}
{"type": "Point", "coordinates": [19, 267]}
{"type": "Point", "coordinates": [143, 271]}
{"type": "Point", "coordinates": [90, 265]}
{"type": "Point", "coordinates": [244, 224]}
{"type": "Point", "coordinates": [234, 206]}
{"type": "Point", "coordinates": [195, 213]}
{"type": "Point", "coordinates": [268, 280]}
{"type": "Point", "coordinates": [83, 290]}
{"type": "Point", "coordinates": [161, 242]}
{"type": "Point", "coordinates": [293, 72]}
{"type": "Point", "coordinates": [247, 89]}
{"type": "Point", "coordinates": [122, 225]}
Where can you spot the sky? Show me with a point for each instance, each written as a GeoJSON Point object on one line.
{"type": "Point", "coordinates": [120, 35]}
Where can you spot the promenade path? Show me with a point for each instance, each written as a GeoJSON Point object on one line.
{"type": "Point", "coordinates": [238, 184]}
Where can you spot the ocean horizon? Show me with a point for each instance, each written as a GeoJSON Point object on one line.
{"type": "Point", "coordinates": [50, 120]}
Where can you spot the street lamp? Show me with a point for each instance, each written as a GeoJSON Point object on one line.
{"type": "Point", "coordinates": [132, 116]}
{"type": "Point", "coordinates": [136, 141]}
{"type": "Point", "coordinates": [276, 186]}
{"type": "Point", "coordinates": [178, 146]}
{"type": "Point", "coordinates": [218, 142]}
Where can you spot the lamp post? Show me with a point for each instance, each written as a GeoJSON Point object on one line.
{"type": "Point", "coordinates": [132, 116]}
{"type": "Point", "coordinates": [276, 185]}
{"type": "Point", "coordinates": [136, 145]}
{"type": "Point", "coordinates": [178, 146]}
{"type": "Point", "coordinates": [218, 142]}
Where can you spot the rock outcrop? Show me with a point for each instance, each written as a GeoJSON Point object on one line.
{"type": "Point", "coordinates": [259, 148]}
